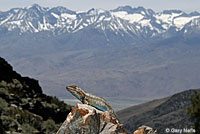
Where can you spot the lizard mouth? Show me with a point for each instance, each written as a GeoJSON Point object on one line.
{"type": "Point", "coordinates": [77, 92]}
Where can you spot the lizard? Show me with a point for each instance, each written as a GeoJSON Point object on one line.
{"type": "Point", "coordinates": [90, 99]}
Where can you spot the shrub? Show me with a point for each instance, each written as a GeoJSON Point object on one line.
{"type": "Point", "coordinates": [3, 104]}
{"type": "Point", "coordinates": [194, 111]}
{"type": "Point", "coordinates": [49, 126]}
{"type": "Point", "coordinates": [9, 123]}
{"type": "Point", "coordinates": [27, 129]}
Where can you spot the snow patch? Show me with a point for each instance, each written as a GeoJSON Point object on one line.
{"type": "Point", "coordinates": [185, 31]}
{"type": "Point", "coordinates": [167, 18]}
{"type": "Point", "coordinates": [143, 12]}
{"type": "Point", "coordinates": [79, 12]}
{"type": "Point", "coordinates": [68, 16]}
{"type": "Point", "coordinates": [165, 26]}
{"type": "Point", "coordinates": [18, 22]}
{"type": "Point", "coordinates": [80, 27]}
{"type": "Point", "coordinates": [21, 14]}
{"type": "Point", "coordinates": [85, 25]}
{"type": "Point", "coordinates": [107, 19]}
{"type": "Point", "coordinates": [130, 17]}
{"type": "Point", "coordinates": [145, 22]}
{"type": "Point", "coordinates": [181, 21]}
{"type": "Point", "coordinates": [4, 21]}
{"type": "Point", "coordinates": [101, 18]}
{"type": "Point", "coordinates": [157, 21]}
{"type": "Point", "coordinates": [100, 11]}
{"type": "Point", "coordinates": [55, 15]}
{"type": "Point", "coordinates": [35, 30]}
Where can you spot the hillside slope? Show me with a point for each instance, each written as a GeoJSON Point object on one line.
{"type": "Point", "coordinates": [23, 106]}
{"type": "Point", "coordinates": [170, 112]}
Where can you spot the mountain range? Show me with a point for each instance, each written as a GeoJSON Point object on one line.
{"type": "Point", "coordinates": [129, 23]}
{"type": "Point", "coordinates": [170, 112]}
{"type": "Point", "coordinates": [126, 52]}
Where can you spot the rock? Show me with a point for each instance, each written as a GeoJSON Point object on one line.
{"type": "Point", "coordinates": [145, 130]}
{"type": "Point", "coordinates": [85, 119]}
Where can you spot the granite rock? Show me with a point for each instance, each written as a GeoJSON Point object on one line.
{"type": "Point", "coordinates": [85, 119]}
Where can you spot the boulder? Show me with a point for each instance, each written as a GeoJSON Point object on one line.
{"type": "Point", "coordinates": [145, 130]}
{"type": "Point", "coordinates": [85, 119]}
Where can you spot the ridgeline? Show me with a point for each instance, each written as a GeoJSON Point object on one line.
{"type": "Point", "coordinates": [24, 108]}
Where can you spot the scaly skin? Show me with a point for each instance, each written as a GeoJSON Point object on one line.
{"type": "Point", "coordinates": [90, 99]}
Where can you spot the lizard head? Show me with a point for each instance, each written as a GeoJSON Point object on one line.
{"type": "Point", "coordinates": [76, 91]}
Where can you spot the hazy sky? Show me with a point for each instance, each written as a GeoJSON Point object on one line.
{"type": "Point", "coordinates": [157, 5]}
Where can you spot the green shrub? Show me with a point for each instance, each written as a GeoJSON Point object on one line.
{"type": "Point", "coordinates": [49, 126]}
{"type": "Point", "coordinates": [27, 129]}
{"type": "Point", "coordinates": [17, 84]}
{"type": "Point", "coordinates": [3, 91]}
{"type": "Point", "coordinates": [194, 111]}
{"type": "Point", "coordinates": [3, 84]}
{"type": "Point", "coordinates": [24, 116]}
{"type": "Point", "coordinates": [9, 123]}
{"type": "Point", "coordinates": [3, 104]}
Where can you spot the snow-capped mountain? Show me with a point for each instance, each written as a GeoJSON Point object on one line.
{"type": "Point", "coordinates": [121, 52]}
{"type": "Point", "coordinates": [132, 23]}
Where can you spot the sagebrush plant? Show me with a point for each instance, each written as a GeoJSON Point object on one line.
{"type": "Point", "coordinates": [49, 126]}
{"type": "Point", "coordinates": [3, 104]}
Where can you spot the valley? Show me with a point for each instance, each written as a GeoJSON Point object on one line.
{"type": "Point", "coordinates": [125, 52]}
